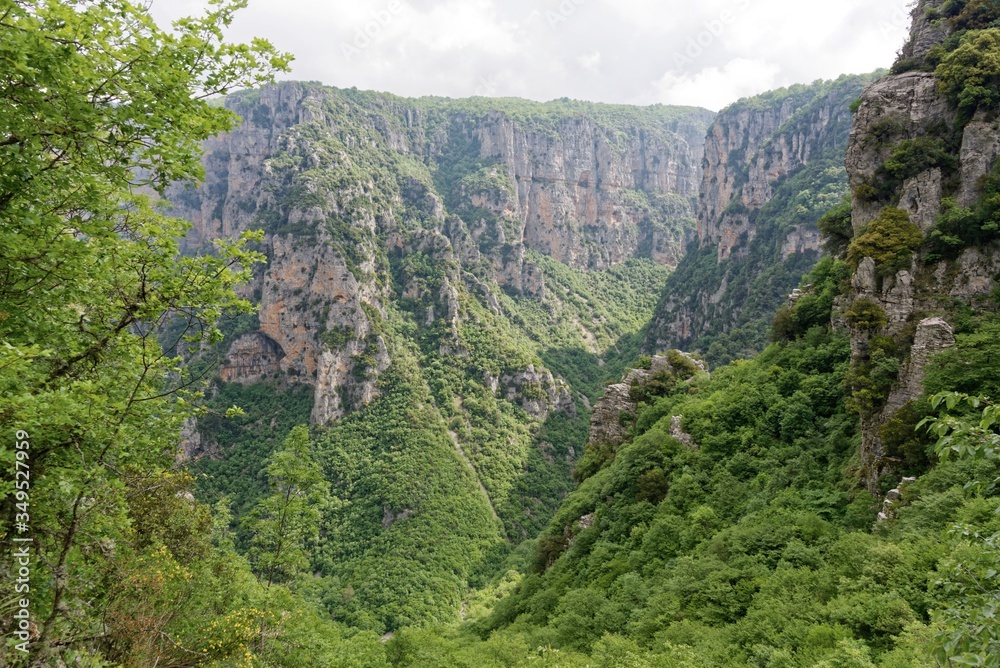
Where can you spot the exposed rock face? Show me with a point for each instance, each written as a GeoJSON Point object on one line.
{"type": "Point", "coordinates": [800, 240]}
{"type": "Point", "coordinates": [574, 189]}
{"type": "Point", "coordinates": [251, 358]}
{"type": "Point", "coordinates": [605, 422]}
{"type": "Point", "coordinates": [897, 107]}
{"type": "Point", "coordinates": [892, 498]}
{"type": "Point", "coordinates": [390, 517]}
{"type": "Point", "coordinates": [924, 32]}
{"type": "Point", "coordinates": [537, 392]}
{"type": "Point", "coordinates": [933, 336]}
{"type": "Point", "coordinates": [908, 106]}
{"type": "Point", "coordinates": [342, 184]}
{"type": "Point", "coordinates": [753, 150]}
{"type": "Point", "coordinates": [190, 446]}
{"type": "Point", "coordinates": [677, 432]}
{"type": "Point", "coordinates": [737, 170]}
{"type": "Point", "coordinates": [234, 164]}
{"type": "Point", "coordinates": [611, 417]}
{"type": "Point", "coordinates": [980, 149]}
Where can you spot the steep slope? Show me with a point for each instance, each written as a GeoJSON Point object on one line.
{"type": "Point", "coordinates": [788, 510]}
{"type": "Point", "coordinates": [773, 166]}
{"type": "Point", "coordinates": [447, 284]}
{"type": "Point", "coordinates": [923, 168]}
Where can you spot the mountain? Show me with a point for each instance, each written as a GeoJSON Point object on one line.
{"type": "Point", "coordinates": [447, 285]}
{"type": "Point", "coordinates": [794, 509]}
{"type": "Point", "coordinates": [773, 167]}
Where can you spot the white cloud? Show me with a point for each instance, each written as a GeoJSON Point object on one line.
{"type": "Point", "coordinates": [715, 87]}
{"type": "Point", "coordinates": [603, 50]}
{"type": "Point", "coordinates": [591, 62]}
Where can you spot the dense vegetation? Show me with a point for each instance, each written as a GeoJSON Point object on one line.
{"type": "Point", "coordinates": [756, 547]}
{"type": "Point", "coordinates": [731, 528]}
{"type": "Point", "coordinates": [125, 567]}
{"type": "Point", "coordinates": [458, 407]}
{"type": "Point", "coordinates": [754, 281]}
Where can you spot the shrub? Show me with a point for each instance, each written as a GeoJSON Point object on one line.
{"type": "Point", "coordinates": [970, 75]}
{"type": "Point", "coordinates": [908, 65]}
{"type": "Point", "coordinates": [958, 228]}
{"type": "Point", "coordinates": [909, 158]}
{"type": "Point", "coordinates": [835, 226]}
{"type": "Point", "coordinates": [976, 15]}
{"type": "Point", "coordinates": [890, 240]}
{"type": "Point", "coordinates": [913, 156]}
{"type": "Point", "coordinates": [866, 314]}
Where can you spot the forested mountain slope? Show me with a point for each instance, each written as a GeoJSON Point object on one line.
{"type": "Point", "coordinates": [436, 296]}
{"type": "Point", "coordinates": [833, 501]}
{"type": "Point", "coordinates": [500, 259]}
{"type": "Point", "coordinates": [773, 168]}
{"type": "Point", "coordinates": [447, 285]}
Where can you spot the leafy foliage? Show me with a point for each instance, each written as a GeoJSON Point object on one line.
{"type": "Point", "coordinates": [970, 75]}
{"type": "Point", "coordinates": [909, 157]}
{"type": "Point", "coordinates": [958, 228]}
{"type": "Point", "coordinates": [835, 226]}
{"type": "Point", "coordinates": [282, 523]}
{"type": "Point", "coordinates": [814, 308]}
{"type": "Point", "coordinates": [890, 240]}
{"type": "Point", "coordinates": [97, 103]}
{"type": "Point", "coordinates": [970, 635]}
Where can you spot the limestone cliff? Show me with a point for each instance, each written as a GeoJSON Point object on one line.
{"type": "Point", "coordinates": [917, 303]}
{"type": "Point", "coordinates": [349, 184]}
{"type": "Point", "coordinates": [772, 167]}
{"type": "Point", "coordinates": [471, 268]}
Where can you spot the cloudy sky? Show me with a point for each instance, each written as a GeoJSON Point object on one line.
{"type": "Point", "coordinates": [627, 51]}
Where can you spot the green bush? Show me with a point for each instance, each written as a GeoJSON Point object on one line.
{"type": "Point", "coordinates": [970, 75]}
{"type": "Point", "coordinates": [958, 228]}
{"type": "Point", "coordinates": [866, 314]}
{"type": "Point", "coordinates": [909, 157]}
{"type": "Point", "coordinates": [977, 14]}
{"type": "Point", "coordinates": [890, 240]}
{"type": "Point", "coordinates": [835, 226]}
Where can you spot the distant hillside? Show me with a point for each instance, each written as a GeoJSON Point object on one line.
{"type": "Point", "coordinates": [773, 167]}
{"type": "Point", "coordinates": [448, 284]}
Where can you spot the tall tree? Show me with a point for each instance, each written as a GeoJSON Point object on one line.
{"type": "Point", "coordinates": [283, 522]}
{"type": "Point", "coordinates": [98, 105]}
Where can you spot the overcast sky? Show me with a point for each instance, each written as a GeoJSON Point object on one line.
{"type": "Point", "coordinates": [627, 51]}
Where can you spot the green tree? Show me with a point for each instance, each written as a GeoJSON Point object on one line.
{"type": "Point", "coordinates": [971, 631]}
{"type": "Point", "coordinates": [98, 105]}
{"type": "Point", "coordinates": [890, 240]}
{"type": "Point", "coordinates": [835, 226]}
{"type": "Point", "coordinates": [285, 521]}
{"type": "Point", "coordinates": [970, 75]}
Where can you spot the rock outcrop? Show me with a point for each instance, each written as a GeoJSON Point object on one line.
{"type": "Point", "coordinates": [251, 358]}
{"type": "Point", "coordinates": [347, 185]}
{"type": "Point", "coordinates": [771, 169]}
{"type": "Point", "coordinates": [537, 392]}
{"type": "Point", "coordinates": [920, 298]}
{"type": "Point", "coordinates": [614, 413]}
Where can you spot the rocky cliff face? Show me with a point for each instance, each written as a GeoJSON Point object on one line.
{"type": "Point", "coordinates": [452, 267]}
{"type": "Point", "coordinates": [590, 196]}
{"type": "Point", "coordinates": [744, 158]}
{"type": "Point", "coordinates": [346, 183]}
{"type": "Point", "coordinates": [917, 301]}
{"type": "Point", "coordinates": [772, 167]}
